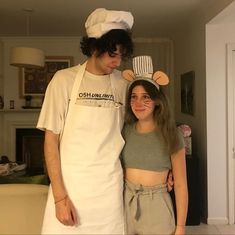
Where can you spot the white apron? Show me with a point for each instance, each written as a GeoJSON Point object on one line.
{"type": "Point", "coordinates": [92, 173]}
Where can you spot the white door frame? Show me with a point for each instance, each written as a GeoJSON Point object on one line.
{"type": "Point", "coordinates": [230, 132]}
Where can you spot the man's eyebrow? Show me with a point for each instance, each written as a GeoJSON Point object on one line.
{"type": "Point", "coordinates": [115, 53]}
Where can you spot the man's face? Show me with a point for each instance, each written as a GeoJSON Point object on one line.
{"type": "Point", "coordinates": [106, 63]}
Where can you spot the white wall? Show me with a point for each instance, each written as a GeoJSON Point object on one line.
{"type": "Point", "coordinates": [67, 46]}
{"type": "Point", "coordinates": [1, 67]}
{"type": "Point", "coordinates": [219, 32]}
{"type": "Point", "coordinates": [51, 47]}
{"type": "Point", "coordinates": [159, 49]}
{"type": "Point", "coordinates": [189, 50]}
{"type": "Point", "coordinates": [190, 54]}
{"type": "Point", "coordinates": [10, 83]}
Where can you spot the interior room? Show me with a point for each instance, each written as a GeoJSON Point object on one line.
{"type": "Point", "coordinates": [192, 41]}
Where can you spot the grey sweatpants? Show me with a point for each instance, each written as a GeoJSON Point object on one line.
{"type": "Point", "coordinates": [148, 210]}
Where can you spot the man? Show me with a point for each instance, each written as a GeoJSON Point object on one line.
{"type": "Point", "coordinates": [82, 116]}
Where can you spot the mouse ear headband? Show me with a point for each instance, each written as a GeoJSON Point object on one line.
{"type": "Point", "coordinates": [143, 70]}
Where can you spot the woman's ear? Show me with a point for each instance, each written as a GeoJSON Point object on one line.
{"type": "Point", "coordinates": [128, 75]}
{"type": "Point", "coordinates": [160, 78]}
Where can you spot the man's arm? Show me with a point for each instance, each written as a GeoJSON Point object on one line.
{"type": "Point", "coordinates": [170, 181]}
{"type": "Point", "coordinates": [65, 211]}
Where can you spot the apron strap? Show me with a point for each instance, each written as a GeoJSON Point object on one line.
{"type": "Point", "coordinates": [77, 82]}
{"type": "Point", "coordinates": [73, 95]}
{"type": "Point", "coordinates": [114, 86]}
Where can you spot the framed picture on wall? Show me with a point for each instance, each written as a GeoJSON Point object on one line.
{"type": "Point", "coordinates": [187, 93]}
{"type": "Point", "coordinates": [34, 81]}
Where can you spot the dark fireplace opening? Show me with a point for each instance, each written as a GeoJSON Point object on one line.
{"type": "Point", "coordinates": [29, 149]}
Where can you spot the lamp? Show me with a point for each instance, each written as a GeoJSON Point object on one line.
{"type": "Point", "coordinates": [26, 56]}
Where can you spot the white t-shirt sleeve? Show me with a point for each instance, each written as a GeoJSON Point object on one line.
{"type": "Point", "coordinates": [55, 105]}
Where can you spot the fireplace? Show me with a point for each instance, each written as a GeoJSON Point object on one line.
{"type": "Point", "coordinates": [29, 149]}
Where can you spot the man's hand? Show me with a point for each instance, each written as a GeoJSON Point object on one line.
{"type": "Point", "coordinates": [66, 212]}
{"type": "Point", "coordinates": [170, 181]}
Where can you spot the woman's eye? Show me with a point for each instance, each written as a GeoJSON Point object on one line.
{"type": "Point", "coordinates": [146, 97]}
{"type": "Point", "coordinates": [133, 97]}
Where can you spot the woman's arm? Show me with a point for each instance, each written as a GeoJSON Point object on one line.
{"type": "Point", "coordinates": [65, 211]}
{"type": "Point", "coordinates": [181, 189]}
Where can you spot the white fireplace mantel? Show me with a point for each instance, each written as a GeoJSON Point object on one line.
{"type": "Point", "coordinates": [4, 111]}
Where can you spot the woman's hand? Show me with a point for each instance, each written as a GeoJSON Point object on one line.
{"type": "Point", "coordinates": [180, 230]}
{"type": "Point", "coordinates": [66, 212]}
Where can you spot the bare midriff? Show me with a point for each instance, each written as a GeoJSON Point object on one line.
{"type": "Point", "coordinates": [145, 177]}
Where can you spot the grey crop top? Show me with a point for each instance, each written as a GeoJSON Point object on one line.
{"type": "Point", "coordinates": [146, 151]}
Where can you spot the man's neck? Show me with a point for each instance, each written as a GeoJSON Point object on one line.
{"type": "Point", "coordinates": [92, 68]}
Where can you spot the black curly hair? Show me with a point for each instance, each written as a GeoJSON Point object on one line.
{"type": "Point", "coordinates": [108, 43]}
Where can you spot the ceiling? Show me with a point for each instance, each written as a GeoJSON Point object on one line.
{"type": "Point", "coordinates": [66, 17]}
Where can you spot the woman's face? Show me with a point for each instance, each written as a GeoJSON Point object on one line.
{"type": "Point", "coordinates": [141, 104]}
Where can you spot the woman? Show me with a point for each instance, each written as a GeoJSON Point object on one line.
{"type": "Point", "coordinates": [153, 147]}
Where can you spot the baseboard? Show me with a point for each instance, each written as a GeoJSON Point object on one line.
{"type": "Point", "coordinates": [217, 220]}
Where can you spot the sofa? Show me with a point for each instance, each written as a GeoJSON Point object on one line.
{"type": "Point", "coordinates": [24, 179]}
{"type": "Point", "coordinates": [22, 207]}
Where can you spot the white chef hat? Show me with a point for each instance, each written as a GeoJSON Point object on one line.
{"type": "Point", "coordinates": [101, 21]}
